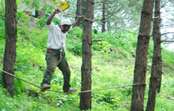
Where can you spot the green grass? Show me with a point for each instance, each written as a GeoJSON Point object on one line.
{"type": "Point", "coordinates": [112, 62]}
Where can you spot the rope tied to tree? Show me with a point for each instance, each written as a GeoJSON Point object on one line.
{"type": "Point", "coordinates": [83, 91]}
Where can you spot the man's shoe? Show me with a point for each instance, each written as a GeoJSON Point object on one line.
{"type": "Point", "coordinates": [70, 91]}
{"type": "Point", "coordinates": [45, 87]}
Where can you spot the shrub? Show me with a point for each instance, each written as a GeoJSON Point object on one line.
{"type": "Point", "coordinates": [74, 41]}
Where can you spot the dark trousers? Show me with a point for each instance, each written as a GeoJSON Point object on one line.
{"type": "Point", "coordinates": [54, 59]}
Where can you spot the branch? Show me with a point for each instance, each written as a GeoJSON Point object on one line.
{"type": "Point", "coordinates": [167, 41]}
{"type": "Point", "coordinates": [169, 25]}
{"type": "Point", "coordinates": [163, 34]}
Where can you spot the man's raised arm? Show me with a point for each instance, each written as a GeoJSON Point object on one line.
{"type": "Point", "coordinates": [50, 18]}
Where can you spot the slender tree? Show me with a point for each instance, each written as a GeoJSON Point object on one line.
{"type": "Point", "coordinates": [87, 12]}
{"type": "Point", "coordinates": [10, 46]}
{"type": "Point", "coordinates": [156, 74]}
{"type": "Point", "coordinates": [141, 57]}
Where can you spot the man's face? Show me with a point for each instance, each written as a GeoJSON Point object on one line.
{"type": "Point", "coordinates": [65, 28]}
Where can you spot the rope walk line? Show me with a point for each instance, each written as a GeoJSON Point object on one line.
{"type": "Point", "coordinates": [84, 91]}
{"type": "Point", "coordinates": [88, 91]}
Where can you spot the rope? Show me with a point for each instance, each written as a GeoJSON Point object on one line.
{"type": "Point", "coordinates": [114, 87]}
{"type": "Point", "coordinates": [85, 18]}
{"type": "Point", "coordinates": [37, 86]}
{"type": "Point", "coordinates": [84, 91]}
{"type": "Point", "coordinates": [10, 74]}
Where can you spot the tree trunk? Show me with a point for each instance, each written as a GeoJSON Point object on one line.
{"type": "Point", "coordinates": [141, 57]}
{"type": "Point", "coordinates": [78, 19]}
{"type": "Point", "coordinates": [156, 74]}
{"type": "Point", "coordinates": [103, 16]}
{"type": "Point", "coordinates": [10, 46]}
{"type": "Point", "coordinates": [85, 97]}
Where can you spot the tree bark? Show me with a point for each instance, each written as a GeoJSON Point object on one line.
{"type": "Point", "coordinates": [78, 19]}
{"type": "Point", "coordinates": [85, 97]}
{"type": "Point", "coordinates": [10, 46]}
{"type": "Point", "coordinates": [103, 16]}
{"type": "Point", "coordinates": [156, 74]}
{"type": "Point", "coordinates": [137, 103]}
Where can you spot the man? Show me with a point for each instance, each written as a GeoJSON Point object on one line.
{"type": "Point", "coordinates": [55, 55]}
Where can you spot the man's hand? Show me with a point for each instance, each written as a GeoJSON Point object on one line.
{"type": "Point", "coordinates": [56, 11]}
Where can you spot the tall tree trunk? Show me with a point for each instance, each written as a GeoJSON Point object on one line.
{"type": "Point", "coordinates": [103, 16]}
{"type": "Point", "coordinates": [141, 57]}
{"type": "Point", "coordinates": [85, 97]}
{"type": "Point", "coordinates": [78, 19]}
{"type": "Point", "coordinates": [10, 46]}
{"type": "Point", "coordinates": [156, 74]}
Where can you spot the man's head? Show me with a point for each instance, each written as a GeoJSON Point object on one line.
{"type": "Point", "coordinates": [65, 25]}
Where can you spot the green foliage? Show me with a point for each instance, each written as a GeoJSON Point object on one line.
{"type": "Point", "coordinates": [36, 4]}
{"type": "Point", "coordinates": [20, 86]}
{"type": "Point", "coordinates": [111, 43]}
{"type": "Point", "coordinates": [22, 103]}
{"type": "Point", "coordinates": [2, 8]}
{"type": "Point", "coordinates": [74, 41]}
{"type": "Point", "coordinates": [77, 49]}
{"type": "Point", "coordinates": [27, 2]}
{"type": "Point", "coordinates": [48, 9]}
{"type": "Point", "coordinates": [103, 46]}
{"type": "Point", "coordinates": [2, 41]}
{"type": "Point", "coordinates": [168, 57]}
{"type": "Point", "coordinates": [76, 32]}
{"type": "Point", "coordinates": [107, 98]}
{"type": "Point", "coordinates": [39, 38]}
{"type": "Point", "coordinates": [2, 29]}
{"type": "Point", "coordinates": [22, 19]}
{"type": "Point", "coordinates": [42, 21]}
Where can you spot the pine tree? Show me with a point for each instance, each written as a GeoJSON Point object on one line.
{"type": "Point", "coordinates": [141, 57]}
{"type": "Point", "coordinates": [156, 74]}
{"type": "Point", "coordinates": [87, 12]}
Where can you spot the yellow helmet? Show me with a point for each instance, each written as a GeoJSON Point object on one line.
{"type": "Point", "coordinates": [63, 5]}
